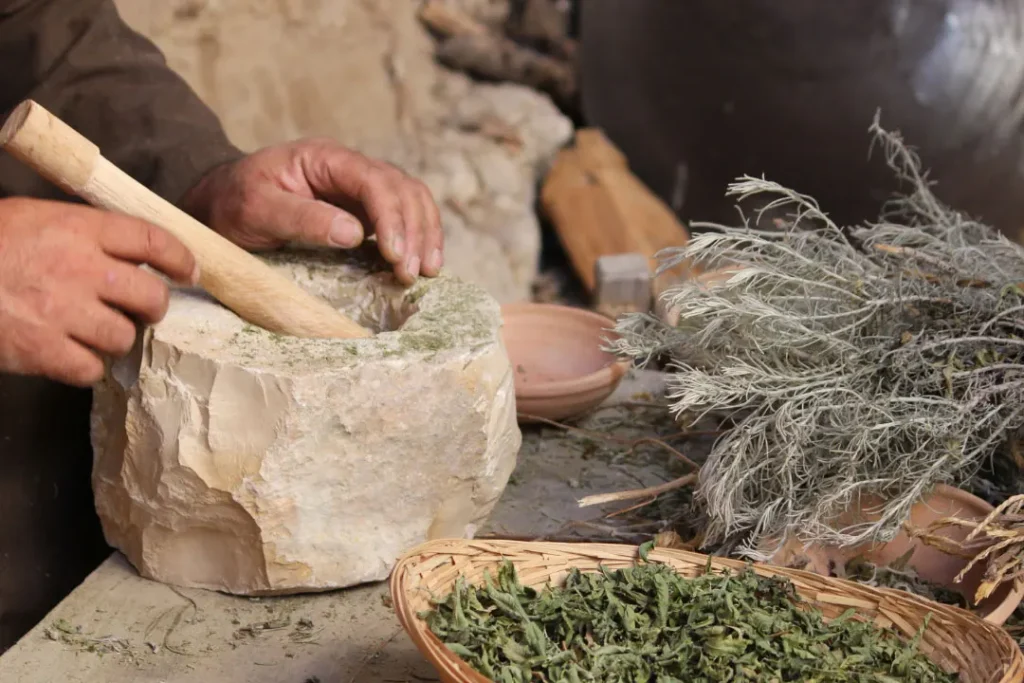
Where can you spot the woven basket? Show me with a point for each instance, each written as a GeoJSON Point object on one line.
{"type": "Point", "coordinates": [955, 638]}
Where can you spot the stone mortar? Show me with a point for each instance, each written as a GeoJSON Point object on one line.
{"type": "Point", "coordinates": [231, 458]}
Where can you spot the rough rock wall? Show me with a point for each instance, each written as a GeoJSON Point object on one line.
{"type": "Point", "coordinates": [362, 71]}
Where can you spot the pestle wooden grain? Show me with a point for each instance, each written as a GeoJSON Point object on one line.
{"type": "Point", "coordinates": [234, 277]}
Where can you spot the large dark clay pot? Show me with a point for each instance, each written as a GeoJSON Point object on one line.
{"type": "Point", "coordinates": [789, 88]}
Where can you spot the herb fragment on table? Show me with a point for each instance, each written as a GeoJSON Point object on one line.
{"type": "Point", "coordinates": [649, 624]}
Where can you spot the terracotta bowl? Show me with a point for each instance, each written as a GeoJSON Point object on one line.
{"type": "Point", "coordinates": [560, 370]}
{"type": "Point", "coordinates": [929, 563]}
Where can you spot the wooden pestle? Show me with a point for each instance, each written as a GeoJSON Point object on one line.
{"type": "Point", "coordinates": [236, 278]}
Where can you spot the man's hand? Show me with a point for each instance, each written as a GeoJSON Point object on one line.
{"type": "Point", "coordinates": [69, 280]}
{"type": "Point", "coordinates": [318, 192]}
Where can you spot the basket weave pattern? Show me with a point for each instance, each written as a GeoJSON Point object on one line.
{"type": "Point", "coordinates": [955, 638]}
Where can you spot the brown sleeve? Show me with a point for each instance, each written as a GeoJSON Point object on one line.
{"type": "Point", "coordinates": [81, 61]}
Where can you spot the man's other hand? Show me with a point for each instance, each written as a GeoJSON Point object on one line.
{"type": "Point", "coordinates": [70, 285]}
{"type": "Point", "coordinates": [318, 192]}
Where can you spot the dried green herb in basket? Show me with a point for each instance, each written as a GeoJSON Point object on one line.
{"type": "Point", "coordinates": [649, 624]}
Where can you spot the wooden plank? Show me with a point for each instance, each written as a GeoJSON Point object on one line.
{"type": "Point", "coordinates": [600, 208]}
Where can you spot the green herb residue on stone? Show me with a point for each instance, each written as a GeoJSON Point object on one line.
{"type": "Point", "coordinates": [649, 624]}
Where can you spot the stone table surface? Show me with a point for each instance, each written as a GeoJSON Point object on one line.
{"type": "Point", "coordinates": [117, 627]}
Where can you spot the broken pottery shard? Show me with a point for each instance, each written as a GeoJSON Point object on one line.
{"type": "Point", "coordinates": [231, 458]}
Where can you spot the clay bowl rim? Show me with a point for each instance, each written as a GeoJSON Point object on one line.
{"type": "Point", "coordinates": [608, 376]}
{"type": "Point", "coordinates": [963, 496]}
{"type": "Point", "coordinates": [973, 508]}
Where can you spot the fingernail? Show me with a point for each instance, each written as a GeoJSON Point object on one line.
{"type": "Point", "coordinates": [195, 275]}
{"type": "Point", "coordinates": [413, 266]}
{"type": "Point", "coordinates": [434, 260]}
{"type": "Point", "coordinates": [398, 245]}
{"type": "Point", "coordinates": [345, 232]}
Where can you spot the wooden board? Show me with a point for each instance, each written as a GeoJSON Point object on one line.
{"type": "Point", "coordinates": [600, 208]}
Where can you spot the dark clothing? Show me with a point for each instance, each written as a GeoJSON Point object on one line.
{"type": "Point", "coordinates": [78, 59]}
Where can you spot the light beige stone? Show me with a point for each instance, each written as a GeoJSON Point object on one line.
{"type": "Point", "coordinates": [364, 73]}
{"type": "Point", "coordinates": [494, 13]}
{"type": "Point", "coordinates": [231, 458]}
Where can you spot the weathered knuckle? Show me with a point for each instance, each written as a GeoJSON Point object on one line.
{"type": "Point", "coordinates": [398, 177]}
{"type": "Point", "coordinates": [148, 294]}
{"type": "Point", "coordinates": [158, 301]}
{"type": "Point", "coordinates": [248, 194]}
{"type": "Point", "coordinates": [247, 207]}
{"type": "Point", "coordinates": [382, 176]}
{"type": "Point", "coordinates": [420, 187]}
{"type": "Point", "coordinates": [111, 230]}
{"type": "Point", "coordinates": [391, 198]}
{"type": "Point", "coordinates": [383, 207]}
{"type": "Point", "coordinates": [87, 372]}
{"type": "Point", "coordinates": [119, 337]}
{"type": "Point", "coordinates": [422, 195]}
{"type": "Point", "coordinates": [157, 242]}
{"type": "Point", "coordinates": [413, 219]}
{"type": "Point", "coordinates": [427, 197]}
{"type": "Point", "coordinates": [347, 156]}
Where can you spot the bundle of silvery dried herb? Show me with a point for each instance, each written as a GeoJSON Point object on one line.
{"type": "Point", "coordinates": [649, 624]}
{"type": "Point", "coordinates": [864, 362]}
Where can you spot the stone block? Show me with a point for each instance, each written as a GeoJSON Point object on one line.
{"type": "Point", "coordinates": [231, 458]}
